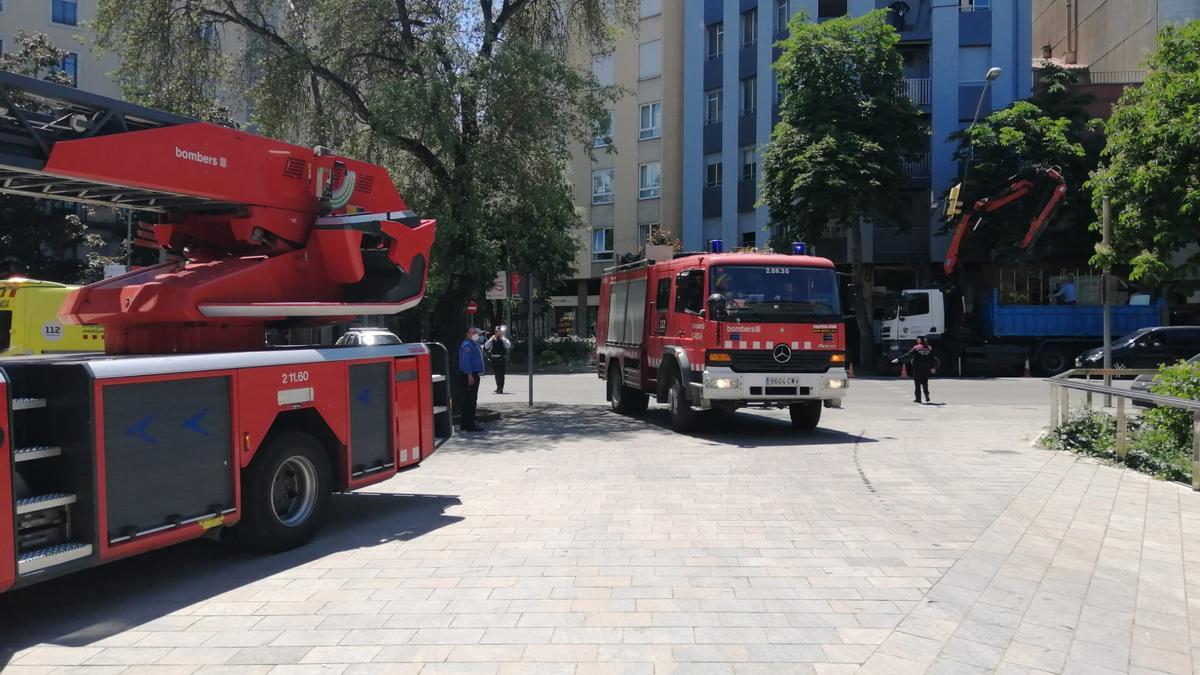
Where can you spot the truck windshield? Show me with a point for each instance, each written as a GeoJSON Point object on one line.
{"type": "Point", "coordinates": [778, 294]}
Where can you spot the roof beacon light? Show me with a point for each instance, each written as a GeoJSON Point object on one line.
{"type": "Point", "coordinates": [798, 248]}
{"type": "Point", "coordinates": [716, 245]}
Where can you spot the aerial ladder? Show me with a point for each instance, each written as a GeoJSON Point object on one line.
{"type": "Point", "coordinates": [1019, 187]}
{"type": "Point", "coordinates": [188, 423]}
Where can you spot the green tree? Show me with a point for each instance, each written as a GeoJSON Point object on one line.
{"type": "Point", "coordinates": [836, 155]}
{"type": "Point", "coordinates": [1151, 167]}
{"type": "Point", "coordinates": [40, 239]}
{"type": "Point", "coordinates": [474, 105]}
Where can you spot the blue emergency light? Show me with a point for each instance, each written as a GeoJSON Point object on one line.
{"type": "Point", "coordinates": [798, 248]}
{"type": "Point", "coordinates": [716, 245]}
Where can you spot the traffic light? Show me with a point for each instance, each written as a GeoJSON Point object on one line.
{"type": "Point", "coordinates": [953, 205]}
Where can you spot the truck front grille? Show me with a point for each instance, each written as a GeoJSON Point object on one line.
{"type": "Point", "coordinates": [763, 361]}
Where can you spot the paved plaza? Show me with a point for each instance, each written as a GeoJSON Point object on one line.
{"type": "Point", "coordinates": [899, 538]}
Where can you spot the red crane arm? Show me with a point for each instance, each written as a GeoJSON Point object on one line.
{"type": "Point", "coordinates": [1016, 190]}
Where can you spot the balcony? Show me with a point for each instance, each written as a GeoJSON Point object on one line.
{"type": "Point", "coordinates": [919, 90]}
{"type": "Point", "coordinates": [917, 166]}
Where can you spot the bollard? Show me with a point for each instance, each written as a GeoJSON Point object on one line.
{"type": "Point", "coordinates": [1196, 449]}
{"type": "Point", "coordinates": [1053, 406]}
{"type": "Point", "coordinates": [1122, 430]}
{"type": "Point", "coordinates": [1064, 405]}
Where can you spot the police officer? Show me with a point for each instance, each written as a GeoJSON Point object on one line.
{"type": "Point", "coordinates": [470, 365]}
{"type": "Point", "coordinates": [498, 346]}
{"type": "Point", "coordinates": [921, 364]}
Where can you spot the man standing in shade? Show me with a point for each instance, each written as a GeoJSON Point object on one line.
{"type": "Point", "coordinates": [498, 346]}
{"type": "Point", "coordinates": [470, 365]}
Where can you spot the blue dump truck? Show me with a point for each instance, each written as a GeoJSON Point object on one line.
{"type": "Point", "coordinates": [998, 339]}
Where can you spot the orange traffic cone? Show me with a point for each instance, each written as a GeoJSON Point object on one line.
{"type": "Point", "coordinates": [1028, 370]}
{"type": "Point", "coordinates": [903, 370]}
{"type": "Point", "coordinates": [850, 370]}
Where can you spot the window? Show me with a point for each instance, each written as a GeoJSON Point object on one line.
{"type": "Point", "coordinates": [749, 27]}
{"type": "Point", "coordinates": [602, 68]}
{"type": "Point", "coordinates": [712, 107]}
{"type": "Point", "coordinates": [975, 5]}
{"type": "Point", "coordinates": [70, 66]}
{"type": "Point", "coordinates": [651, 121]}
{"type": "Point", "coordinates": [602, 186]}
{"type": "Point", "coordinates": [649, 180]}
{"type": "Point", "coordinates": [662, 298]}
{"type": "Point", "coordinates": [64, 12]}
{"type": "Point", "coordinates": [604, 132]}
{"type": "Point", "coordinates": [749, 240]}
{"type": "Point", "coordinates": [748, 95]}
{"type": "Point", "coordinates": [712, 171]}
{"type": "Point", "coordinates": [651, 8]}
{"type": "Point", "coordinates": [602, 244]}
{"type": "Point", "coordinates": [777, 93]}
{"type": "Point", "coordinates": [749, 164]}
{"type": "Point", "coordinates": [650, 59]}
{"type": "Point", "coordinates": [645, 229]}
{"type": "Point", "coordinates": [689, 291]}
{"type": "Point", "coordinates": [714, 40]}
{"type": "Point", "coordinates": [782, 14]}
{"type": "Point", "coordinates": [914, 304]}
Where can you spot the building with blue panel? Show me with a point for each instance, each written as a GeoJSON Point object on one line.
{"type": "Point", "coordinates": [730, 104]}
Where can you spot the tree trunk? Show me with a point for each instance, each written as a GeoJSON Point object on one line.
{"type": "Point", "coordinates": [862, 300]}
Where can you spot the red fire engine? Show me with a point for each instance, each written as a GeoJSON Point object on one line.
{"type": "Point", "coordinates": [723, 331]}
{"type": "Point", "coordinates": [189, 422]}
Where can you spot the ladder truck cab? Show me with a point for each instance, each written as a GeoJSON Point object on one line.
{"type": "Point", "coordinates": [722, 331]}
{"type": "Point", "coordinates": [187, 424]}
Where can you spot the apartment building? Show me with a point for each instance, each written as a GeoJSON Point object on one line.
{"type": "Point", "coordinates": [1104, 41]}
{"type": "Point", "coordinates": [62, 21]}
{"type": "Point", "coordinates": [628, 182]}
{"type": "Point", "coordinates": [731, 100]}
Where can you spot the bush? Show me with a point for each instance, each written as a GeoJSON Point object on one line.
{"type": "Point", "coordinates": [569, 350]}
{"type": "Point", "coordinates": [1087, 432]}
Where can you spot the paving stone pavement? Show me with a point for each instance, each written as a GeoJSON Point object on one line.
{"type": "Point", "coordinates": [897, 539]}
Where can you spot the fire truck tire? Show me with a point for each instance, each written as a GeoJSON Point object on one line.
{"type": "Point", "coordinates": [683, 418]}
{"type": "Point", "coordinates": [805, 415]}
{"type": "Point", "coordinates": [624, 400]}
{"type": "Point", "coordinates": [284, 494]}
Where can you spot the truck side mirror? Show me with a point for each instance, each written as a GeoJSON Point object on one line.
{"type": "Point", "coordinates": [716, 307]}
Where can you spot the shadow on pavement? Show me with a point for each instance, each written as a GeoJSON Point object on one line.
{"type": "Point", "coordinates": [79, 609]}
{"type": "Point", "coordinates": [525, 429]}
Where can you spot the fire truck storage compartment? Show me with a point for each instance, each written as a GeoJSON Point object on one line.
{"type": "Point", "coordinates": [627, 312]}
{"type": "Point", "coordinates": [370, 418]}
{"type": "Point", "coordinates": [51, 440]}
{"type": "Point", "coordinates": [167, 453]}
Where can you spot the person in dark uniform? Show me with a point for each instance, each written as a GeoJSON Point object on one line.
{"type": "Point", "coordinates": [470, 365]}
{"type": "Point", "coordinates": [921, 364]}
{"type": "Point", "coordinates": [498, 346]}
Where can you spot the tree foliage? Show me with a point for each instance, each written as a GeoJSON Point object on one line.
{"type": "Point", "coordinates": [836, 155]}
{"type": "Point", "coordinates": [1151, 167]}
{"type": "Point", "coordinates": [473, 104]}
{"type": "Point", "coordinates": [40, 239]}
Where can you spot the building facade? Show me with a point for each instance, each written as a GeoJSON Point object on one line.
{"type": "Point", "coordinates": [731, 105]}
{"type": "Point", "coordinates": [63, 22]}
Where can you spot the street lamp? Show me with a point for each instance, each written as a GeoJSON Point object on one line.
{"type": "Point", "coordinates": [992, 74]}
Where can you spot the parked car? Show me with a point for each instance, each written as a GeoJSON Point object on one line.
{"type": "Point", "coordinates": [1142, 383]}
{"type": "Point", "coordinates": [1146, 348]}
{"type": "Point", "coordinates": [367, 337]}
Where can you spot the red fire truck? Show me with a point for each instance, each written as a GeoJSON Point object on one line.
{"type": "Point", "coordinates": [189, 423]}
{"type": "Point", "coordinates": [723, 331]}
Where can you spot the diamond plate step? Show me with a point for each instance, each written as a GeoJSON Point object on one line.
{"type": "Point", "coordinates": [36, 452]}
{"type": "Point", "coordinates": [43, 502]}
{"type": "Point", "coordinates": [41, 558]}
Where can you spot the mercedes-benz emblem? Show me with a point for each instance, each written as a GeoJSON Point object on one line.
{"type": "Point", "coordinates": [782, 353]}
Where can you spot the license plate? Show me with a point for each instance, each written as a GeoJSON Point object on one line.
{"type": "Point", "coordinates": [782, 381]}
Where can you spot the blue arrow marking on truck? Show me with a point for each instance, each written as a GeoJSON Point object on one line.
{"type": "Point", "coordinates": [364, 396]}
{"type": "Point", "coordinates": [139, 432]}
{"type": "Point", "coordinates": [193, 423]}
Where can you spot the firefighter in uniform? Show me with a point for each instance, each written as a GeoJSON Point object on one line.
{"type": "Point", "coordinates": [470, 365]}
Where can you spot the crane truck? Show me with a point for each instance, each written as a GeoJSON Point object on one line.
{"type": "Point", "coordinates": [187, 425]}
{"type": "Point", "coordinates": [997, 338]}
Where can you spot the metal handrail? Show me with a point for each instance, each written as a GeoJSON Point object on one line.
{"type": "Point", "coordinates": [1060, 406]}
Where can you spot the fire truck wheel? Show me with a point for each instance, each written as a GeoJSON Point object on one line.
{"type": "Point", "coordinates": [624, 400]}
{"type": "Point", "coordinates": [683, 418]}
{"type": "Point", "coordinates": [284, 494]}
{"type": "Point", "coordinates": [805, 415]}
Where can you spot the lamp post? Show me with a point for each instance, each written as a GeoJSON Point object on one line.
{"type": "Point", "coordinates": [992, 74]}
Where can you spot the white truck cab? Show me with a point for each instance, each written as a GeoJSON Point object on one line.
{"type": "Point", "coordinates": [920, 312]}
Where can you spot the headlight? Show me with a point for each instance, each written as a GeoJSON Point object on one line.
{"type": "Point", "coordinates": [724, 383]}
{"type": "Point", "coordinates": [836, 383]}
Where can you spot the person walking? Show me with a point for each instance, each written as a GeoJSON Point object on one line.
{"type": "Point", "coordinates": [470, 366]}
{"type": "Point", "coordinates": [921, 364]}
{"type": "Point", "coordinates": [498, 346]}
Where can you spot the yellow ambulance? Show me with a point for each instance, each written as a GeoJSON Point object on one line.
{"type": "Point", "coordinates": [29, 322]}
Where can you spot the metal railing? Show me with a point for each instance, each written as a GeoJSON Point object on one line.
{"type": "Point", "coordinates": [919, 90]}
{"type": "Point", "coordinates": [1062, 384]}
{"type": "Point", "coordinates": [1117, 76]}
{"type": "Point", "coordinates": [917, 166]}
